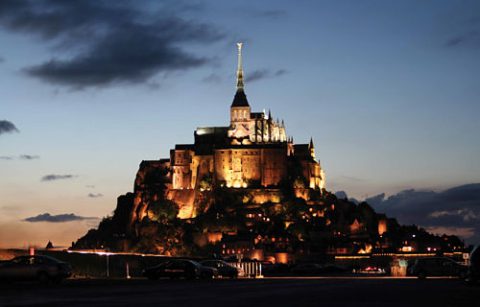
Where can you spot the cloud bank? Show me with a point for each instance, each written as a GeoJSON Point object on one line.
{"type": "Point", "coordinates": [7, 127]}
{"type": "Point", "coordinates": [453, 211]}
{"type": "Point", "coordinates": [264, 74]}
{"type": "Point", "coordinates": [103, 43]}
{"type": "Point", "coordinates": [20, 157]}
{"type": "Point", "coordinates": [53, 177]}
{"type": "Point", "coordinates": [95, 195]}
{"type": "Point", "coordinates": [59, 218]}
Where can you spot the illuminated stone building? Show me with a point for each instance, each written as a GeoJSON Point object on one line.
{"type": "Point", "coordinates": [247, 189]}
{"type": "Point", "coordinates": [252, 152]}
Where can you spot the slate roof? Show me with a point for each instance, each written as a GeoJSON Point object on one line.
{"type": "Point", "coordinates": [240, 99]}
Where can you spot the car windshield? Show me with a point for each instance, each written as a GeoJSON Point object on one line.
{"type": "Point", "coordinates": [34, 260]}
{"type": "Point", "coordinates": [47, 259]}
{"type": "Point", "coordinates": [210, 263]}
{"type": "Point", "coordinates": [196, 264]}
{"type": "Point", "coordinates": [20, 260]}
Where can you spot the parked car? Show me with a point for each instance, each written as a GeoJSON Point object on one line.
{"type": "Point", "coordinates": [180, 268]}
{"type": "Point", "coordinates": [306, 269]}
{"type": "Point", "coordinates": [473, 272]}
{"type": "Point", "coordinates": [437, 266]}
{"type": "Point", "coordinates": [28, 268]}
{"type": "Point", "coordinates": [278, 269]}
{"type": "Point", "coordinates": [224, 269]}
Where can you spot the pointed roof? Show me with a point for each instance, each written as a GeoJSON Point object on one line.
{"type": "Point", "coordinates": [240, 99]}
{"type": "Point", "coordinates": [311, 143]}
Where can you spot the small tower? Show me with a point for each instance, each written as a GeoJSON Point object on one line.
{"type": "Point", "coordinates": [240, 109]}
{"type": "Point", "coordinates": [311, 147]}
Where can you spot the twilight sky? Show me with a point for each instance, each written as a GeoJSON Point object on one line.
{"type": "Point", "coordinates": [389, 90]}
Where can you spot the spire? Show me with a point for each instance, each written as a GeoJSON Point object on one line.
{"type": "Point", "coordinates": [240, 99]}
{"type": "Point", "coordinates": [311, 143]}
{"type": "Point", "coordinates": [239, 67]}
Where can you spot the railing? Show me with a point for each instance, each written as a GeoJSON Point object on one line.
{"type": "Point", "coordinates": [250, 269]}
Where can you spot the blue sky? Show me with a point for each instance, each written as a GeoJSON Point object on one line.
{"type": "Point", "coordinates": [389, 90]}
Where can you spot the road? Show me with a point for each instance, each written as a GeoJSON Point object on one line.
{"type": "Point", "coordinates": [261, 292]}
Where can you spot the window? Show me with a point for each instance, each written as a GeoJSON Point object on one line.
{"type": "Point", "coordinates": [21, 260]}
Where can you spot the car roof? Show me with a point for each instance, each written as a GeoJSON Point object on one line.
{"type": "Point", "coordinates": [38, 257]}
{"type": "Point", "coordinates": [175, 260]}
{"type": "Point", "coordinates": [184, 260]}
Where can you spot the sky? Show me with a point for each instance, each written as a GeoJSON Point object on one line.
{"type": "Point", "coordinates": [389, 91]}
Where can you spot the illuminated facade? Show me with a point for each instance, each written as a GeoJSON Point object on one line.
{"type": "Point", "coordinates": [255, 193]}
{"type": "Point", "coordinates": [252, 151]}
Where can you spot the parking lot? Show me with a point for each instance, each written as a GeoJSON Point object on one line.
{"type": "Point", "coordinates": [287, 291]}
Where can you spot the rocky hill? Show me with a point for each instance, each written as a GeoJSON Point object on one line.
{"type": "Point", "coordinates": [253, 222]}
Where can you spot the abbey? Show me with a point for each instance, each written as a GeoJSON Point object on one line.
{"type": "Point", "coordinates": [253, 152]}
{"type": "Point", "coordinates": [246, 189]}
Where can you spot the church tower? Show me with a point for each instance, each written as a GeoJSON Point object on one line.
{"type": "Point", "coordinates": [240, 109]}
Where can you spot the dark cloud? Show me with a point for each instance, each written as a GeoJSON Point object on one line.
{"type": "Point", "coordinates": [377, 199]}
{"type": "Point", "coordinates": [264, 74]}
{"type": "Point", "coordinates": [106, 43]}
{"type": "Point", "coordinates": [271, 14]}
{"type": "Point", "coordinates": [343, 195]}
{"type": "Point", "coordinates": [20, 157]}
{"type": "Point", "coordinates": [470, 38]}
{"type": "Point", "coordinates": [7, 127]}
{"type": "Point", "coordinates": [456, 208]}
{"type": "Point", "coordinates": [463, 26]}
{"type": "Point", "coordinates": [52, 177]}
{"type": "Point", "coordinates": [351, 178]}
{"type": "Point", "coordinates": [212, 78]}
{"type": "Point", "coordinates": [95, 195]}
{"type": "Point", "coordinates": [59, 218]}
{"type": "Point", "coordinates": [462, 232]}
{"type": "Point", "coordinates": [29, 157]}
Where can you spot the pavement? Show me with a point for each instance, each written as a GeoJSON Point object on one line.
{"type": "Point", "coordinates": [287, 291]}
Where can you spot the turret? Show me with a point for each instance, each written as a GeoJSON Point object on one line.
{"type": "Point", "coordinates": [311, 147]}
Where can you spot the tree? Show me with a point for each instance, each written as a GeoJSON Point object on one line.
{"type": "Point", "coordinates": [163, 211]}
